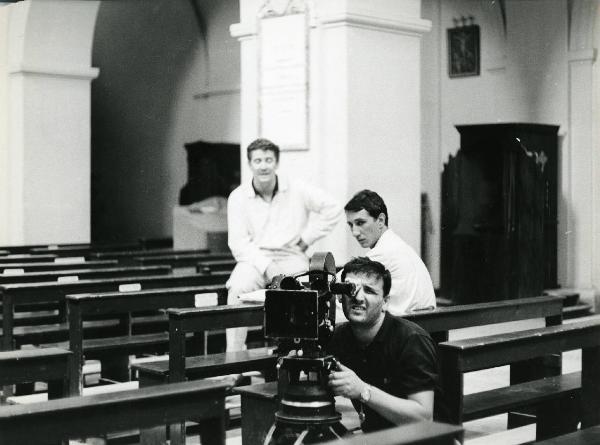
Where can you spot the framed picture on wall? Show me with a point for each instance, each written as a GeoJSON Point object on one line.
{"type": "Point", "coordinates": [463, 51]}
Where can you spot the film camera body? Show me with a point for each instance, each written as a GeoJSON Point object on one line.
{"type": "Point", "coordinates": [300, 316]}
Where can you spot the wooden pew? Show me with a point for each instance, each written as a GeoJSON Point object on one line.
{"type": "Point", "coordinates": [417, 433]}
{"type": "Point", "coordinates": [74, 417]}
{"type": "Point", "coordinates": [27, 248]}
{"type": "Point", "coordinates": [553, 396]}
{"type": "Point", "coordinates": [438, 323]}
{"type": "Point", "coordinates": [180, 260]}
{"type": "Point", "coordinates": [114, 351]}
{"type": "Point", "coordinates": [183, 322]}
{"type": "Point", "coordinates": [13, 268]}
{"type": "Point", "coordinates": [26, 258]}
{"type": "Point", "coordinates": [51, 365]}
{"type": "Point", "coordinates": [129, 256]}
{"type": "Point", "coordinates": [62, 250]}
{"type": "Point", "coordinates": [209, 266]}
{"type": "Point", "coordinates": [83, 273]}
{"type": "Point", "coordinates": [586, 436]}
{"type": "Point", "coordinates": [13, 295]}
{"type": "Point", "coordinates": [37, 316]}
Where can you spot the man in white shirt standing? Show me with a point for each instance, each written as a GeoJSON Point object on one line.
{"type": "Point", "coordinates": [271, 221]}
{"type": "Point", "coordinates": [412, 289]}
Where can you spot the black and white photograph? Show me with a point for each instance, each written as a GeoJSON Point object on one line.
{"type": "Point", "coordinates": [289, 222]}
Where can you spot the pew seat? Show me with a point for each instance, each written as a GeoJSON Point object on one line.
{"type": "Point", "coordinates": [586, 436]}
{"type": "Point", "coordinates": [210, 365]}
{"type": "Point", "coordinates": [502, 400]}
{"type": "Point", "coordinates": [75, 417]}
{"type": "Point", "coordinates": [32, 365]}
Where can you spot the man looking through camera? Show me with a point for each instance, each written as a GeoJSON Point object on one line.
{"type": "Point", "coordinates": [388, 365]}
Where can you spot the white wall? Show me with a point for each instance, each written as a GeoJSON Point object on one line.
{"type": "Point", "coordinates": [4, 110]}
{"type": "Point", "coordinates": [523, 79]}
{"type": "Point", "coordinates": [159, 69]}
{"type": "Point", "coordinates": [364, 107]}
{"type": "Point", "coordinates": [45, 121]}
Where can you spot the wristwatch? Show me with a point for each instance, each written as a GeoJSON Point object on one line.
{"type": "Point", "coordinates": [365, 394]}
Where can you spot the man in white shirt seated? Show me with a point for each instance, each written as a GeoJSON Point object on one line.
{"type": "Point", "coordinates": [412, 289]}
{"type": "Point", "coordinates": [271, 221]}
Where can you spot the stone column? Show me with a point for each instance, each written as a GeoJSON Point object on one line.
{"type": "Point", "coordinates": [582, 160]}
{"type": "Point", "coordinates": [47, 73]}
{"type": "Point", "coordinates": [364, 101]}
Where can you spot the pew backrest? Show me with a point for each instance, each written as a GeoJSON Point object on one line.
{"type": "Point", "coordinates": [83, 274]}
{"type": "Point", "coordinates": [18, 294]}
{"type": "Point", "coordinates": [122, 304]}
{"type": "Point", "coordinates": [75, 417]}
{"type": "Point", "coordinates": [19, 268]}
{"type": "Point", "coordinates": [443, 319]}
{"type": "Point", "coordinates": [180, 260]}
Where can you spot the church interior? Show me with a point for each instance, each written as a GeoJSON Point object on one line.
{"type": "Point", "coordinates": [123, 129]}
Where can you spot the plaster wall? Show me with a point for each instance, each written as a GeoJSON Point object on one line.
{"type": "Point", "coordinates": [364, 106]}
{"type": "Point", "coordinates": [45, 116]}
{"type": "Point", "coordinates": [160, 68]}
{"type": "Point", "coordinates": [523, 78]}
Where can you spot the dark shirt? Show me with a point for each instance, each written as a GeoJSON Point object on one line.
{"type": "Point", "coordinates": [401, 360]}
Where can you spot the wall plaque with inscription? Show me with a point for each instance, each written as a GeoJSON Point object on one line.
{"type": "Point", "coordinates": [284, 79]}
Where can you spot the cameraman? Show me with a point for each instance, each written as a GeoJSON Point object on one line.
{"type": "Point", "coordinates": [388, 365]}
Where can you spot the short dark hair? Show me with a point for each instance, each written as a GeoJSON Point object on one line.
{"type": "Point", "coordinates": [369, 201]}
{"type": "Point", "coordinates": [369, 267]}
{"type": "Point", "coordinates": [263, 144]}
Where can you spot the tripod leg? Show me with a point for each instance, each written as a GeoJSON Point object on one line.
{"type": "Point", "coordinates": [300, 439]}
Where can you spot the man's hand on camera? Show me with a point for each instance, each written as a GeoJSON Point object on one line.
{"type": "Point", "coordinates": [344, 382]}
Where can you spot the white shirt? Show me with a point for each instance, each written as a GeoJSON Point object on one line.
{"type": "Point", "coordinates": [259, 231]}
{"type": "Point", "coordinates": [412, 288]}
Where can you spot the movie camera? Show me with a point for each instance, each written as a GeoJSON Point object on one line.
{"type": "Point", "coordinates": [300, 316]}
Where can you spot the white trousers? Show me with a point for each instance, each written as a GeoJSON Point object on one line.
{"type": "Point", "coordinates": [246, 278]}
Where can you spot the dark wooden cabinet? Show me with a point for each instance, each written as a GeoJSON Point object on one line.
{"type": "Point", "coordinates": [213, 170]}
{"type": "Point", "coordinates": [499, 221]}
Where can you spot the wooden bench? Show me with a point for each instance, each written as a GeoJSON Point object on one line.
{"type": "Point", "coordinates": [180, 260]}
{"type": "Point", "coordinates": [14, 268]}
{"type": "Point", "coordinates": [438, 323]}
{"type": "Point", "coordinates": [13, 295]}
{"type": "Point", "coordinates": [74, 417]}
{"type": "Point", "coordinates": [128, 257]}
{"type": "Point", "coordinates": [84, 273]}
{"type": "Point", "coordinates": [26, 258]}
{"type": "Point", "coordinates": [209, 266]}
{"type": "Point", "coordinates": [178, 367]}
{"type": "Point", "coordinates": [63, 250]}
{"type": "Point", "coordinates": [27, 248]}
{"type": "Point", "coordinates": [52, 316]}
{"type": "Point", "coordinates": [417, 433]}
{"type": "Point", "coordinates": [51, 365]}
{"type": "Point", "coordinates": [553, 396]}
{"type": "Point", "coordinates": [183, 322]}
{"type": "Point", "coordinates": [586, 436]}
{"type": "Point", "coordinates": [114, 351]}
